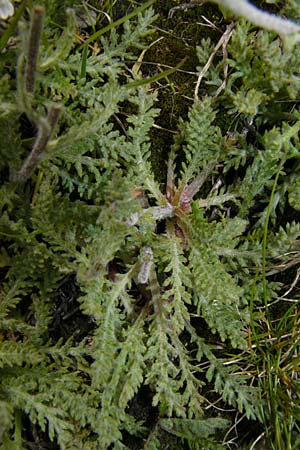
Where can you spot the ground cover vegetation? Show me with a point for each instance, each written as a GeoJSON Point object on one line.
{"type": "Point", "coordinates": [149, 228]}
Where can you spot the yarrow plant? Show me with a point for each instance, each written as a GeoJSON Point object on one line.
{"type": "Point", "coordinates": [127, 307]}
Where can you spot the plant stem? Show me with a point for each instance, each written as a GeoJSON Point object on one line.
{"type": "Point", "coordinates": [33, 47]}
{"type": "Point", "coordinates": [46, 127]}
{"type": "Point", "coordinates": [260, 18]}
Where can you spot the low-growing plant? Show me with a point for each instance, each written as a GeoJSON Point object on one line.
{"type": "Point", "coordinates": [134, 313]}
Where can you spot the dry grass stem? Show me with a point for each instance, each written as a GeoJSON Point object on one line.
{"type": "Point", "coordinates": [222, 42]}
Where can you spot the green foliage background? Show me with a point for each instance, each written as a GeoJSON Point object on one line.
{"type": "Point", "coordinates": [139, 309]}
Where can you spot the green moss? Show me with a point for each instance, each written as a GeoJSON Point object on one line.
{"type": "Point", "coordinates": [181, 34]}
